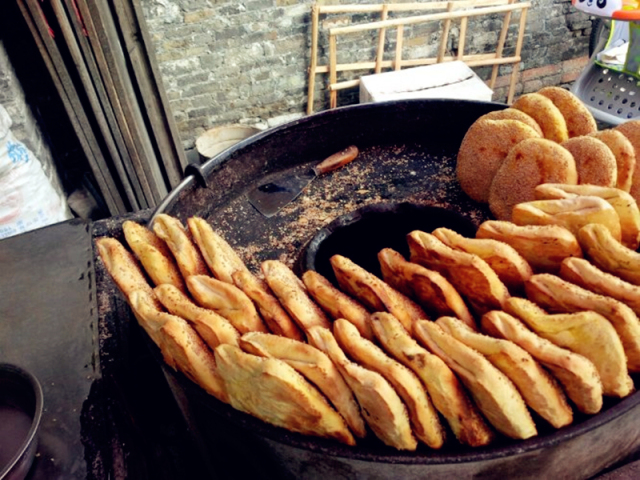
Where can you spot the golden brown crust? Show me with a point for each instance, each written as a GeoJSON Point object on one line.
{"type": "Point", "coordinates": [192, 357]}
{"type": "Point", "coordinates": [271, 311]}
{"type": "Point", "coordinates": [381, 406]}
{"type": "Point", "coordinates": [496, 396]}
{"type": "Point", "coordinates": [274, 392]}
{"type": "Point", "coordinates": [586, 333]}
{"type": "Point", "coordinates": [579, 119]}
{"type": "Point", "coordinates": [508, 264]}
{"type": "Point", "coordinates": [293, 296]}
{"type": "Point", "coordinates": [538, 389]}
{"type": "Point", "coordinates": [315, 366]}
{"type": "Point", "coordinates": [227, 301]}
{"type": "Point", "coordinates": [608, 254]}
{"type": "Point", "coordinates": [122, 266]}
{"type": "Point", "coordinates": [577, 375]}
{"type": "Point", "coordinates": [153, 254]}
{"type": "Point", "coordinates": [542, 246]}
{"type": "Point", "coordinates": [375, 293]}
{"type": "Point", "coordinates": [573, 213]}
{"type": "Point", "coordinates": [469, 274]}
{"type": "Point", "coordinates": [631, 130]}
{"type": "Point", "coordinates": [219, 256]}
{"type": "Point", "coordinates": [595, 162]}
{"type": "Point", "coordinates": [559, 296]}
{"type": "Point", "coordinates": [624, 154]}
{"type": "Point", "coordinates": [336, 303]}
{"type": "Point", "coordinates": [622, 202]}
{"type": "Point", "coordinates": [213, 328]}
{"type": "Point", "coordinates": [513, 114]}
{"type": "Point", "coordinates": [482, 151]}
{"type": "Point", "coordinates": [583, 273]}
{"type": "Point", "coordinates": [423, 416]}
{"type": "Point", "coordinates": [529, 163]}
{"type": "Point", "coordinates": [431, 290]}
{"type": "Point", "coordinates": [444, 388]}
{"type": "Point", "coordinates": [546, 114]}
{"type": "Point", "coordinates": [177, 238]}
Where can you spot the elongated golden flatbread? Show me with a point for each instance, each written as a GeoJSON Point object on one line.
{"type": "Point", "coordinates": [315, 366]}
{"type": "Point", "coordinates": [293, 295]}
{"type": "Point", "coordinates": [444, 388]}
{"type": "Point", "coordinates": [220, 257]}
{"type": "Point", "coordinates": [227, 301]}
{"type": "Point", "coordinates": [624, 204]}
{"type": "Point", "coordinates": [578, 375]}
{"type": "Point", "coordinates": [542, 246]}
{"type": "Point", "coordinates": [573, 213]}
{"type": "Point", "coordinates": [336, 303]}
{"type": "Point", "coordinates": [433, 292]}
{"type": "Point", "coordinates": [585, 274]}
{"type": "Point", "coordinates": [538, 389]}
{"type": "Point", "coordinates": [508, 264]}
{"type": "Point", "coordinates": [154, 255]}
{"type": "Point", "coordinates": [381, 406]}
{"type": "Point", "coordinates": [177, 237]}
{"type": "Point", "coordinates": [274, 315]}
{"type": "Point", "coordinates": [496, 396]}
{"type": "Point", "coordinates": [274, 392]}
{"type": "Point", "coordinates": [181, 347]}
{"type": "Point", "coordinates": [374, 293]}
{"type": "Point", "coordinates": [424, 418]}
{"type": "Point", "coordinates": [586, 333]}
{"type": "Point", "coordinates": [559, 296]}
{"type": "Point", "coordinates": [213, 328]}
{"type": "Point", "coordinates": [123, 267]}
{"type": "Point", "coordinates": [468, 273]}
{"type": "Point", "coordinates": [608, 254]}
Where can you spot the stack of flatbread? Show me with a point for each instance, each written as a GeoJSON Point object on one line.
{"type": "Point", "coordinates": [466, 340]}
{"type": "Point", "coordinates": [544, 137]}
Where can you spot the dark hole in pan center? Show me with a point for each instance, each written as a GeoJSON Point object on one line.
{"type": "Point", "coordinates": [361, 234]}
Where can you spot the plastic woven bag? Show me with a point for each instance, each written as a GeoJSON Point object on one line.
{"type": "Point", "coordinates": [27, 198]}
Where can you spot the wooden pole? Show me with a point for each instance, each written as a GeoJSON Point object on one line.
{"type": "Point", "coordinates": [381, 35]}
{"type": "Point", "coordinates": [444, 36]}
{"type": "Point", "coordinates": [397, 64]}
{"type": "Point", "coordinates": [499, 49]}
{"type": "Point", "coordinates": [516, 65]}
{"type": "Point", "coordinates": [315, 14]}
{"type": "Point", "coordinates": [333, 76]}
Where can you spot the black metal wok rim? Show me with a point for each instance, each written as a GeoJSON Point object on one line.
{"type": "Point", "coordinates": [255, 426]}
{"type": "Point", "coordinates": [221, 158]}
{"type": "Point", "coordinates": [9, 370]}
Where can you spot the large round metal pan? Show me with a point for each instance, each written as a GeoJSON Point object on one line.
{"type": "Point", "coordinates": [408, 151]}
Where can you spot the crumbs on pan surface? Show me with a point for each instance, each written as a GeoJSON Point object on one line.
{"type": "Point", "coordinates": [380, 174]}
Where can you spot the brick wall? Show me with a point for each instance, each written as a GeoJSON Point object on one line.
{"type": "Point", "coordinates": [225, 61]}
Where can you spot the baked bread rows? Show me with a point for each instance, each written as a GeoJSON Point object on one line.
{"type": "Point", "coordinates": [544, 137]}
{"type": "Point", "coordinates": [468, 335]}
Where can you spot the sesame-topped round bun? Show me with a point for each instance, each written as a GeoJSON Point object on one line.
{"type": "Point", "coordinates": [625, 155]}
{"type": "Point", "coordinates": [482, 151]}
{"type": "Point", "coordinates": [513, 114]}
{"type": "Point", "coordinates": [595, 162]}
{"type": "Point", "coordinates": [548, 116]}
{"type": "Point", "coordinates": [631, 130]}
{"type": "Point", "coordinates": [530, 163]}
{"type": "Point", "coordinates": [579, 119]}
